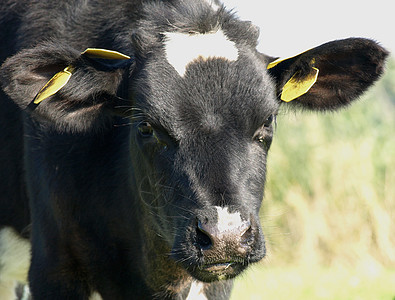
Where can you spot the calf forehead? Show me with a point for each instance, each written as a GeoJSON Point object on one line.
{"type": "Point", "coordinates": [213, 92]}
{"type": "Point", "coordinates": [200, 62]}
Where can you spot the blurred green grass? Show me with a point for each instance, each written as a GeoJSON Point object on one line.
{"type": "Point", "coordinates": [329, 209]}
{"type": "Point", "coordinates": [317, 283]}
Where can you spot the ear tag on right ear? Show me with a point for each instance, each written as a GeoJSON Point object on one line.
{"type": "Point", "coordinates": [57, 82]}
{"type": "Point", "coordinates": [295, 88]}
{"type": "Point", "coordinates": [104, 54]}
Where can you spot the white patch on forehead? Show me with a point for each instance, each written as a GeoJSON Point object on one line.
{"type": "Point", "coordinates": [228, 221]}
{"type": "Point", "coordinates": [182, 49]}
{"type": "Point", "coordinates": [196, 292]}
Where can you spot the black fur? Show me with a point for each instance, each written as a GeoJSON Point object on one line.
{"type": "Point", "coordinates": [117, 169]}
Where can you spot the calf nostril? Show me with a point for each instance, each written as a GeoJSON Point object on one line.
{"type": "Point", "coordinates": [247, 238]}
{"type": "Point", "coordinates": [203, 240]}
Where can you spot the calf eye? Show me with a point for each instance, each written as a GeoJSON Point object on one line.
{"type": "Point", "coordinates": [264, 134]}
{"type": "Point", "coordinates": [269, 121]}
{"type": "Point", "coordinates": [145, 129]}
{"type": "Point", "coordinates": [150, 136]}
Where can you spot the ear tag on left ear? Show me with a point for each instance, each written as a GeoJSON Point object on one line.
{"type": "Point", "coordinates": [104, 54]}
{"type": "Point", "coordinates": [58, 81]}
{"type": "Point", "coordinates": [276, 62]}
{"type": "Point", "coordinates": [280, 60]}
{"type": "Point", "coordinates": [295, 88]}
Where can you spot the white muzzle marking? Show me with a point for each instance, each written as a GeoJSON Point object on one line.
{"type": "Point", "coordinates": [228, 221]}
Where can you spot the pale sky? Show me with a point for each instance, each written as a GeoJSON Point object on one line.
{"type": "Point", "coordinates": [291, 27]}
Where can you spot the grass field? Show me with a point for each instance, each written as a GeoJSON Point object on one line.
{"type": "Point", "coordinates": [303, 283]}
{"type": "Point", "coordinates": [329, 210]}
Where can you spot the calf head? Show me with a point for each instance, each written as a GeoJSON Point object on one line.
{"type": "Point", "coordinates": [207, 101]}
{"type": "Point", "coordinates": [201, 126]}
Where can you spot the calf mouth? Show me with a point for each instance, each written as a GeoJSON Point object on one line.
{"type": "Point", "coordinates": [218, 271]}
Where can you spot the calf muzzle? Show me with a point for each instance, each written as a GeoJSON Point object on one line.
{"type": "Point", "coordinates": [223, 244]}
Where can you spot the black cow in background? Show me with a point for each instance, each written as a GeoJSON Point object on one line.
{"type": "Point", "coordinates": [138, 173]}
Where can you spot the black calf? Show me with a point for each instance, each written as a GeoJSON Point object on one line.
{"type": "Point", "coordinates": [142, 177]}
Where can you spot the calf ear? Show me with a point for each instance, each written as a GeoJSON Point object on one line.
{"type": "Point", "coordinates": [64, 87]}
{"type": "Point", "coordinates": [329, 76]}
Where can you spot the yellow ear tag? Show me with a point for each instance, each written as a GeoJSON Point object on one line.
{"type": "Point", "coordinates": [277, 61]}
{"type": "Point", "coordinates": [104, 53]}
{"type": "Point", "coordinates": [58, 81]}
{"type": "Point", "coordinates": [295, 88]}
